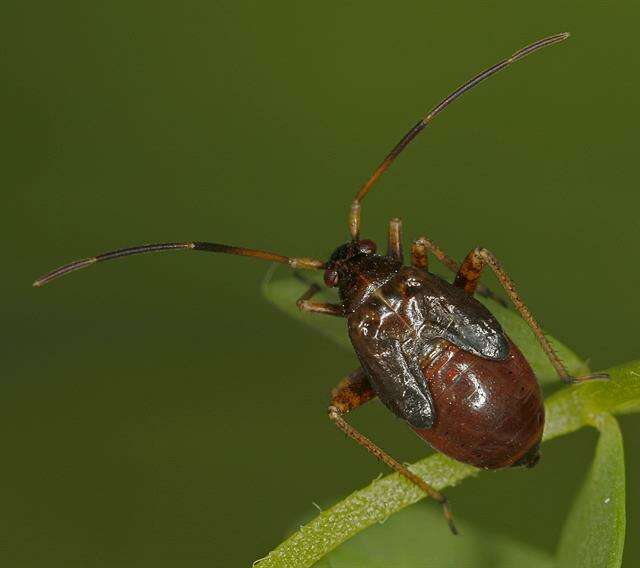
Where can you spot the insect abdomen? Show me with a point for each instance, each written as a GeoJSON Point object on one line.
{"type": "Point", "coordinates": [488, 413]}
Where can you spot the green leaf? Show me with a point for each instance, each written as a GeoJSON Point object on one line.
{"type": "Point", "coordinates": [366, 507]}
{"type": "Point", "coordinates": [284, 292]}
{"type": "Point", "coordinates": [581, 405]}
{"type": "Point", "coordinates": [593, 536]}
{"type": "Point", "coordinates": [409, 539]}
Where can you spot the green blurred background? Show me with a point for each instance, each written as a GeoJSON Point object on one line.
{"type": "Point", "coordinates": [158, 411]}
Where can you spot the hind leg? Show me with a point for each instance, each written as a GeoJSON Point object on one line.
{"type": "Point", "coordinates": [354, 391]}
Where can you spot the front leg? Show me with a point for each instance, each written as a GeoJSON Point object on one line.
{"type": "Point", "coordinates": [467, 279]}
{"type": "Point", "coordinates": [306, 305]}
{"type": "Point", "coordinates": [354, 391]}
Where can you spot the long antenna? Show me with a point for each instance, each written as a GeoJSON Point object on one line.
{"type": "Point", "coordinates": [308, 263]}
{"type": "Point", "coordinates": [354, 214]}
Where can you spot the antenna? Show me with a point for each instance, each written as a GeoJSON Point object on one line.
{"type": "Point", "coordinates": [308, 263]}
{"type": "Point", "coordinates": [354, 214]}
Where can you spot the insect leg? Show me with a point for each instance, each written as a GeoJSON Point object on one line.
{"type": "Point", "coordinates": [351, 392]}
{"type": "Point", "coordinates": [394, 243]}
{"type": "Point", "coordinates": [354, 391]}
{"type": "Point", "coordinates": [419, 251]}
{"type": "Point", "coordinates": [420, 254]}
{"type": "Point", "coordinates": [306, 305]}
{"type": "Point", "coordinates": [467, 279]}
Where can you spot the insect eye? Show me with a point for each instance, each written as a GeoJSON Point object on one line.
{"type": "Point", "coordinates": [367, 247]}
{"type": "Point", "coordinates": [331, 277]}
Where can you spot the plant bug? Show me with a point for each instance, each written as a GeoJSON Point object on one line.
{"type": "Point", "coordinates": [434, 355]}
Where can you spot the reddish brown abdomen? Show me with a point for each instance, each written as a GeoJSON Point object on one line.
{"type": "Point", "coordinates": [488, 413]}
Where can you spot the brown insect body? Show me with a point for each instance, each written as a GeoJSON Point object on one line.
{"type": "Point", "coordinates": [438, 359]}
{"type": "Point", "coordinates": [488, 413]}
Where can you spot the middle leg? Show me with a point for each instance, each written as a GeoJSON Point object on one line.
{"type": "Point", "coordinates": [353, 392]}
{"type": "Point", "coordinates": [419, 258]}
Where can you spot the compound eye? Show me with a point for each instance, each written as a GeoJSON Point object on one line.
{"type": "Point", "coordinates": [331, 277]}
{"type": "Point", "coordinates": [367, 247]}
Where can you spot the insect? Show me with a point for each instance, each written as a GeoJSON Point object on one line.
{"type": "Point", "coordinates": [433, 354]}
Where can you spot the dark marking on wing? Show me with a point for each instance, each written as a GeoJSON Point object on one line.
{"type": "Point", "coordinates": [443, 311]}
{"type": "Point", "coordinates": [397, 378]}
